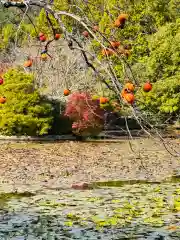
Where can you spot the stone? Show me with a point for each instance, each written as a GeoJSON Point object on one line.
{"type": "Point", "coordinates": [80, 186]}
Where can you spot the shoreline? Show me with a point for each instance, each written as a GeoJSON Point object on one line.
{"type": "Point", "coordinates": [46, 165]}
{"type": "Point", "coordinates": [113, 135]}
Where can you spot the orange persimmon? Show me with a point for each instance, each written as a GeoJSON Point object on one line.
{"type": "Point", "coordinates": [28, 63]}
{"type": "Point", "coordinates": [66, 92]}
{"type": "Point", "coordinates": [57, 36]}
{"type": "Point", "coordinates": [115, 44]}
{"type": "Point", "coordinates": [124, 92]}
{"type": "Point", "coordinates": [107, 52]}
{"type": "Point", "coordinates": [130, 86]}
{"type": "Point", "coordinates": [147, 87]}
{"type": "Point", "coordinates": [122, 17]}
{"type": "Point", "coordinates": [129, 97]}
{"type": "Point", "coordinates": [103, 100]}
{"type": "Point", "coordinates": [2, 100]}
{"type": "Point", "coordinates": [117, 23]}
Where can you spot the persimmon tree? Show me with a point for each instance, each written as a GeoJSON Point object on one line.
{"type": "Point", "coordinates": [105, 56]}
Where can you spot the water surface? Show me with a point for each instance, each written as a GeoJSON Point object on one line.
{"type": "Point", "coordinates": [121, 210]}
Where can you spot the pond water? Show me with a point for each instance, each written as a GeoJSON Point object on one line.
{"type": "Point", "coordinates": [128, 210]}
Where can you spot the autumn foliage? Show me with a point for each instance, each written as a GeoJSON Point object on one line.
{"type": "Point", "coordinates": [86, 114]}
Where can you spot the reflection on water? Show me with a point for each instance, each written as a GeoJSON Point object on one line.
{"type": "Point", "coordinates": [133, 210]}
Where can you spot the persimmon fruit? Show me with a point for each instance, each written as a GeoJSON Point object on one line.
{"type": "Point", "coordinates": [124, 92]}
{"type": "Point", "coordinates": [107, 52]}
{"type": "Point", "coordinates": [85, 34]}
{"type": "Point", "coordinates": [130, 86]}
{"type": "Point", "coordinates": [117, 23]}
{"type": "Point", "coordinates": [42, 38]}
{"type": "Point", "coordinates": [103, 100]}
{"type": "Point", "coordinates": [1, 80]}
{"type": "Point", "coordinates": [122, 17]}
{"type": "Point", "coordinates": [66, 92]}
{"type": "Point", "coordinates": [2, 100]}
{"type": "Point", "coordinates": [28, 63]}
{"type": "Point", "coordinates": [147, 87]}
{"type": "Point", "coordinates": [57, 36]}
{"type": "Point", "coordinates": [129, 97]}
{"type": "Point", "coordinates": [115, 44]}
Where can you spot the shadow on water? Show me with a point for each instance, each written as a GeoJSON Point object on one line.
{"type": "Point", "coordinates": [120, 183]}
{"type": "Point", "coordinates": [5, 197]}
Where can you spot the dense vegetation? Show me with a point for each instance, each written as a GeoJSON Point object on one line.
{"type": "Point", "coordinates": [151, 34]}
{"type": "Point", "coordinates": [25, 112]}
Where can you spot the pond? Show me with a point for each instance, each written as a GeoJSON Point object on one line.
{"type": "Point", "coordinates": [120, 210]}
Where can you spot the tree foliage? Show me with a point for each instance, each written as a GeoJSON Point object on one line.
{"type": "Point", "coordinates": [86, 114]}
{"type": "Point", "coordinates": [24, 112]}
{"type": "Point", "coordinates": [164, 59]}
{"type": "Point", "coordinates": [149, 49]}
{"type": "Point", "coordinates": [163, 102]}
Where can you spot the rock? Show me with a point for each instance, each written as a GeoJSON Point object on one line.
{"type": "Point", "coordinates": [80, 186]}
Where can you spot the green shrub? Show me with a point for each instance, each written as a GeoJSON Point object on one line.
{"type": "Point", "coordinates": [164, 47]}
{"type": "Point", "coordinates": [8, 33]}
{"type": "Point", "coordinates": [25, 111]}
{"type": "Point", "coordinates": [163, 101]}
